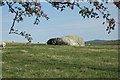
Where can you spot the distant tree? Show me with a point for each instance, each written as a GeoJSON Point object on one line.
{"type": "Point", "coordinates": [31, 8]}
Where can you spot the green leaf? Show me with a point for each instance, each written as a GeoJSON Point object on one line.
{"type": "Point", "coordinates": [18, 21]}
{"type": "Point", "coordinates": [19, 8]}
{"type": "Point", "coordinates": [21, 19]}
{"type": "Point", "coordinates": [88, 15]}
{"type": "Point", "coordinates": [83, 16]}
{"type": "Point", "coordinates": [89, 12]}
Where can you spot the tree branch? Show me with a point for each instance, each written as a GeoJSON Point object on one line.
{"type": "Point", "coordinates": [13, 23]}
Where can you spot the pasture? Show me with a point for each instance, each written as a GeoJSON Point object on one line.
{"type": "Point", "coordinates": [58, 61]}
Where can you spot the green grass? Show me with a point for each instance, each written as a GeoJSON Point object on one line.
{"type": "Point", "coordinates": [55, 61]}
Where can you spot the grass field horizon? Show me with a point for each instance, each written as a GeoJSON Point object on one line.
{"type": "Point", "coordinates": [59, 61]}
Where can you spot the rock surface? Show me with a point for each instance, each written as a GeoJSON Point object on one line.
{"type": "Point", "coordinates": [2, 44]}
{"type": "Point", "coordinates": [67, 40]}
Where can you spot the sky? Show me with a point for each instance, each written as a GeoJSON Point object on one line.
{"type": "Point", "coordinates": [68, 22]}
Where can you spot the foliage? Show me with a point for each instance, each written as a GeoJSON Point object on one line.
{"type": "Point", "coordinates": [28, 9]}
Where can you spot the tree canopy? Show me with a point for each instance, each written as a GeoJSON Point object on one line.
{"type": "Point", "coordinates": [29, 8]}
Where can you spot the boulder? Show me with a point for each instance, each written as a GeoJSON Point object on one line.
{"type": "Point", "coordinates": [2, 44]}
{"type": "Point", "coordinates": [67, 40]}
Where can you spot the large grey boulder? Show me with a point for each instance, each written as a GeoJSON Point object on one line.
{"type": "Point", "coordinates": [67, 40]}
{"type": "Point", "coordinates": [2, 44]}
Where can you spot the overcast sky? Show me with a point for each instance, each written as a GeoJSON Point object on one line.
{"type": "Point", "coordinates": [68, 22]}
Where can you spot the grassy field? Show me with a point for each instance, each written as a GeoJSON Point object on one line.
{"type": "Point", "coordinates": [53, 61]}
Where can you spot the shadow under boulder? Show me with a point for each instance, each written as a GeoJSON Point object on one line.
{"type": "Point", "coordinates": [67, 40]}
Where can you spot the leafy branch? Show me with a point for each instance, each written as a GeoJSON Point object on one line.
{"type": "Point", "coordinates": [29, 9]}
